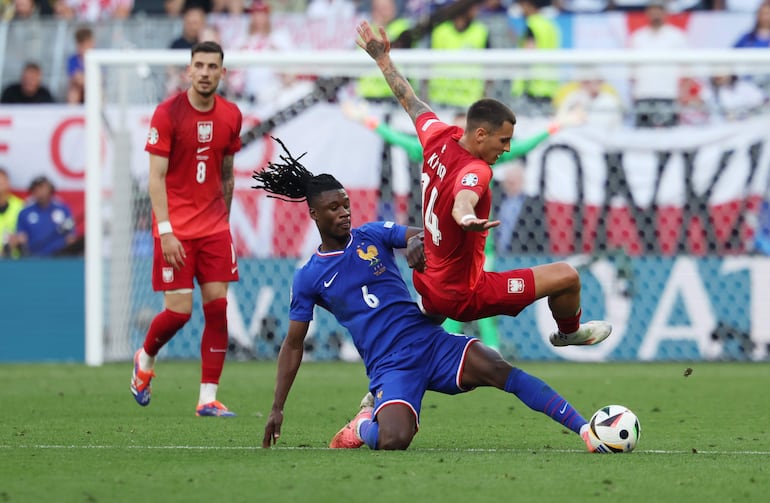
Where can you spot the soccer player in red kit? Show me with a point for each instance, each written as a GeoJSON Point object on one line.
{"type": "Point", "coordinates": [456, 204]}
{"type": "Point", "coordinates": [193, 137]}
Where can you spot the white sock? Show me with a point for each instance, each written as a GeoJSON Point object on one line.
{"type": "Point", "coordinates": [208, 393]}
{"type": "Point", "coordinates": [146, 362]}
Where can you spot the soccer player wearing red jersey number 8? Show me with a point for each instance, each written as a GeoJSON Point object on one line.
{"type": "Point", "coordinates": [456, 204]}
{"type": "Point", "coordinates": [193, 137]}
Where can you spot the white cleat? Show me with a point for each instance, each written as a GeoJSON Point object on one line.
{"type": "Point", "coordinates": [589, 333]}
{"type": "Point", "coordinates": [367, 400]}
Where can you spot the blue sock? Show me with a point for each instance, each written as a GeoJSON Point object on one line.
{"type": "Point", "coordinates": [537, 395]}
{"type": "Point", "coordinates": [370, 433]}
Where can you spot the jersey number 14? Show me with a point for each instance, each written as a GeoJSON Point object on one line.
{"type": "Point", "coordinates": [430, 219]}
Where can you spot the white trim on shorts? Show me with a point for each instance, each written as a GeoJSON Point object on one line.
{"type": "Point", "coordinates": [404, 402]}
{"type": "Point", "coordinates": [460, 367]}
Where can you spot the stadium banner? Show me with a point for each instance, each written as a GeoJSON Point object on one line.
{"type": "Point", "coordinates": [661, 308]}
{"type": "Point", "coordinates": [597, 189]}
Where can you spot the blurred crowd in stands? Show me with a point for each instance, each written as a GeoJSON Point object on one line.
{"type": "Point", "coordinates": [94, 10]}
{"type": "Point", "coordinates": [653, 97]}
{"type": "Point", "coordinates": [656, 96]}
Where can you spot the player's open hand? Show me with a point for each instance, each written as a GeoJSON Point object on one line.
{"type": "Point", "coordinates": [478, 224]}
{"type": "Point", "coordinates": [415, 252]}
{"type": "Point", "coordinates": [173, 251]}
{"type": "Point", "coordinates": [272, 428]}
{"type": "Point", "coordinates": [368, 40]}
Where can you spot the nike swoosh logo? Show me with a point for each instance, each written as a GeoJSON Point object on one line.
{"type": "Point", "coordinates": [563, 408]}
{"type": "Point", "coordinates": [217, 350]}
{"type": "Point", "coordinates": [202, 149]}
{"type": "Point", "coordinates": [234, 270]}
{"type": "Point", "coordinates": [327, 284]}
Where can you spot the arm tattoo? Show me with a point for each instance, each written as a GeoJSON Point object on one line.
{"type": "Point", "coordinates": [228, 180]}
{"type": "Point", "coordinates": [404, 93]}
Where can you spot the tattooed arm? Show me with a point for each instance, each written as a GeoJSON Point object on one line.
{"type": "Point", "coordinates": [379, 50]}
{"type": "Point", "coordinates": [228, 180]}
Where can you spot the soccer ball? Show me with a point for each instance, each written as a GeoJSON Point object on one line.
{"type": "Point", "coordinates": [613, 428]}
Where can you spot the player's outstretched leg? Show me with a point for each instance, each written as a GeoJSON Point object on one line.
{"type": "Point", "coordinates": [585, 435]}
{"type": "Point", "coordinates": [349, 437]}
{"type": "Point", "coordinates": [140, 382]}
{"type": "Point", "coordinates": [589, 333]}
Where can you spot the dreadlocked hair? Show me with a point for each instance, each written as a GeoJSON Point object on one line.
{"type": "Point", "coordinates": [290, 181]}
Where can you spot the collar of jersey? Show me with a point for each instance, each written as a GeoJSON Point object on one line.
{"type": "Point", "coordinates": [335, 252]}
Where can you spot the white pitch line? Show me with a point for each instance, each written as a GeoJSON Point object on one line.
{"type": "Point", "coordinates": [289, 448]}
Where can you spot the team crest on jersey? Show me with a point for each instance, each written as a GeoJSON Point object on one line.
{"type": "Point", "coordinates": [370, 255]}
{"type": "Point", "coordinates": [515, 285]}
{"type": "Point", "coordinates": [153, 136]}
{"type": "Point", "coordinates": [168, 274]}
{"type": "Point", "coordinates": [205, 131]}
{"type": "Point", "coordinates": [470, 180]}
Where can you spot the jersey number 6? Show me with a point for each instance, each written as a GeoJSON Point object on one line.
{"type": "Point", "coordinates": [370, 299]}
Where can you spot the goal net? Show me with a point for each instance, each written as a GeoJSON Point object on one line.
{"type": "Point", "coordinates": [661, 203]}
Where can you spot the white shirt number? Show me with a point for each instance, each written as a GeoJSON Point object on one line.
{"type": "Point", "coordinates": [370, 299]}
{"type": "Point", "coordinates": [430, 219]}
{"type": "Point", "coordinates": [200, 172]}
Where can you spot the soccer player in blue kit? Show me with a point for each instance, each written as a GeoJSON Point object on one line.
{"type": "Point", "coordinates": [354, 275]}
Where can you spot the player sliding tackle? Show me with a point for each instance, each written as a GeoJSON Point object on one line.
{"type": "Point", "coordinates": [354, 275]}
{"type": "Point", "coordinates": [456, 203]}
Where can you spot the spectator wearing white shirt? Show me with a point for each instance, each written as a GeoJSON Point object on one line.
{"type": "Point", "coordinates": [260, 84]}
{"type": "Point", "coordinates": [730, 98]}
{"type": "Point", "coordinates": [598, 100]}
{"type": "Point", "coordinates": [330, 9]}
{"type": "Point", "coordinates": [93, 10]}
{"type": "Point", "coordinates": [655, 88]}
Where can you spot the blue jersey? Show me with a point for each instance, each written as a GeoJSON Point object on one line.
{"type": "Point", "coordinates": [362, 287]}
{"type": "Point", "coordinates": [47, 229]}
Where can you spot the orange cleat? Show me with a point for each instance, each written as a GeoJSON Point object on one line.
{"type": "Point", "coordinates": [214, 409]}
{"type": "Point", "coordinates": [347, 437]}
{"type": "Point", "coordinates": [140, 383]}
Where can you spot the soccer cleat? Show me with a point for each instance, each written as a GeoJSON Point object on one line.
{"type": "Point", "coordinates": [367, 400]}
{"type": "Point", "coordinates": [140, 383]}
{"type": "Point", "coordinates": [213, 409]}
{"type": "Point", "coordinates": [585, 434]}
{"type": "Point", "coordinates": [589, 333]}
{"type": "Point", "coordinates": [347, 437]}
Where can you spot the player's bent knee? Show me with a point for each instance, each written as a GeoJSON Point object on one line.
{"type": "Point", "coordinates": [395, 439]}
{"type": "Point", "coordinates": [568, 275]}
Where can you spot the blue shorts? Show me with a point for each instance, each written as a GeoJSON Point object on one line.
{"type": "Point", "coordinates": [431, 364]}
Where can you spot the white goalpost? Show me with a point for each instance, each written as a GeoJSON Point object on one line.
{"type": "Point", "coordinates": [117, 105]}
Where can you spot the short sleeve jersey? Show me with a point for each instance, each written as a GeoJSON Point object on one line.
{"type": "Point", "coordinates": [362, 287]}
{"type": "Point", "coordinates": [195, 144]}
{"type": "Point", "coordinates": [455, 258]}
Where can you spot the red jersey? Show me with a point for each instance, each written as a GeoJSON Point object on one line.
{"type": "Point", "coordinates": [195, 144]}
{"type": "Point", "coordinates": [455, 258]}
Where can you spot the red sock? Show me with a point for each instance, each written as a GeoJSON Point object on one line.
{"type": "Point", "coordinates": [163, 327]}
{"type": "Point", "coordinates": [569, 325]}
{"type": "Point", "coordinates": [214, 340]}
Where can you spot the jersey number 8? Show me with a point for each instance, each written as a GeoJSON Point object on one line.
{"type": "Point", "coordinates": [200, 172]}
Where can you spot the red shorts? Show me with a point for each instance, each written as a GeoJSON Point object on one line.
{"type": "Point", "coordinates": [209, 259]}
{"type": "Point", "coordinates": [496, 293]}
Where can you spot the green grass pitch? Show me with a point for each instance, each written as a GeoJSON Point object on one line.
{"type": "Point", "coordinates": [72, 433]}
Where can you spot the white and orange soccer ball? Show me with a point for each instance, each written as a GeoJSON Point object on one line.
{"type": "Point", "coordinates": [612, 429]}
